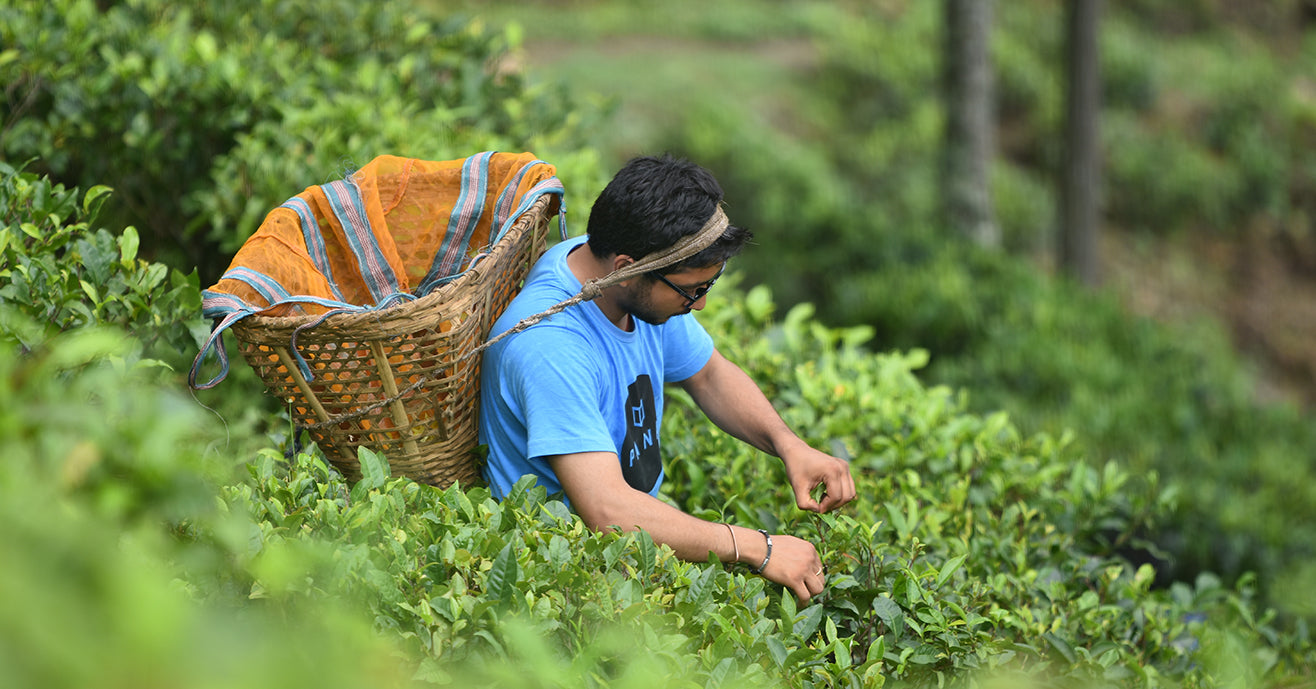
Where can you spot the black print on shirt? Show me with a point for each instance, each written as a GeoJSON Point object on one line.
{"type": "Point", "coordinates": [641, 457]}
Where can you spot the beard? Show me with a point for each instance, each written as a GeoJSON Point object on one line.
{"type": "Point", "coordinates": [636, 301]}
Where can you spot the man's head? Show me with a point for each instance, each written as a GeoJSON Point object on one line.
{"type": "Point", "coordinates": [651, 204]}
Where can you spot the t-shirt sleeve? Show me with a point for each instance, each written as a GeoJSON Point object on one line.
{"type": "Point", "coordinates": [687, 347]}
{"type": "Point", "coordinates": [556, 385]}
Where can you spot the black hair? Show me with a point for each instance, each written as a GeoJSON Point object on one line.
{"type": "Point", "coordinates": [654, 201]}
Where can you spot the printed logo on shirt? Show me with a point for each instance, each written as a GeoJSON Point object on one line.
{"type": "Point", "coordinates": [641, 457]}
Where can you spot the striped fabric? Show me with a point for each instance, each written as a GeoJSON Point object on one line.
{"type": "Point", "coordinates": [470, 203]}
{"type": "Point", "coordinates": [340, 247]}
{"type": "Point", "coordinates": [345, 199]}
{"type": "Point", "coordinates": [314, 240]}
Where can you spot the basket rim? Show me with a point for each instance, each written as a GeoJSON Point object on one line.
{"type": "Point", "coordinates": [473, 278]}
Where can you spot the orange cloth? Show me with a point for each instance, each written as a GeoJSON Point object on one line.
{"type": "Point", "coordinates": [408, 205]}
{"type": "Point", "coordinates": [393, 230]}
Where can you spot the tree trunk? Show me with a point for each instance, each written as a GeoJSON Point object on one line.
{"type": "Point", "coordinates": [1080, 188]}
{"type": "Point", "coordinates": [970, 120]}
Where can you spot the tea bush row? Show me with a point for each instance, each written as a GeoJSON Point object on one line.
{"type": "Point", "coordinates": [143, 548]}
{"type": "Point", "coordinates": [149, 544]}
{"type": "Point", "coordinates": [204, 117]}
{"type": "Point", "coordinates": [62, 271]}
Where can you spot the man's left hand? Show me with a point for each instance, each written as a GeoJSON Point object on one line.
{"type": "Point", "coordinates": [808, 468]}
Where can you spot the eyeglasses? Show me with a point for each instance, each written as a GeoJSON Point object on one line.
{"type": "Point", "coordinates": [699, 292]}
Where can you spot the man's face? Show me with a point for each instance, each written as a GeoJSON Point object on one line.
{"type": "Point", "coordinates": [654, 301]}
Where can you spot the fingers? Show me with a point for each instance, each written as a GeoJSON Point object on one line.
{"type": "Point", "coordinates": [795, 564]}
{"type": "Point", "coordinates": [810, 585]}
{"type": "Point", "coordinates": [808, 468]}
{"type": "Point", "coordinates": [816, 581]}
{"type": "Point", "coordinates": [839, 490]}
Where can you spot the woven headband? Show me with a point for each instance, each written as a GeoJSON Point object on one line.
{"type": "Point", "coordinates": [684, 248]}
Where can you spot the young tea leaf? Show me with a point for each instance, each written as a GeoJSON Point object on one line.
{"type": "Point", "coordinates": [374, 468]}
{"type": "Point", "coordinates": [129, 242]}
{"type": "Point", "coordinates": [92, 200]}
{"type": "Point", "coordinates": [948, 570]}
{"type": "Point", "coordinates": [502, 582]}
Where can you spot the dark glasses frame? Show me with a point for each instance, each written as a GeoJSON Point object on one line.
{"type": "Point", "coordinates": [699, 292]}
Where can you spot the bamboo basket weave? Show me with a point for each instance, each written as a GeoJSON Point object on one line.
{"type": "Point", "coordinates": [399, 381]}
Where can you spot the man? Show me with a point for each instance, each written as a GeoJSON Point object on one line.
{"type": "Point", "coordinates": [577, 400]}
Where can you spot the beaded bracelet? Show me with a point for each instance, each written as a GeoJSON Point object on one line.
{"type": "Point", "coordinates": [765, 557]}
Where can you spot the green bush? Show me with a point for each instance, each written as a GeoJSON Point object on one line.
{"type": "Point", "coordinates": [60, 271]}
{"type": "Point", "coordinates": [106, 484]}
{"type": "Point", "coordinates": [207, 116]}
{"type": "Point", "coordinates": [1210, 152]}
{"type": "Point", "coordinates": [1155, 174]}
{"type": "Point", "coordinates": [141, 549]}
{"type": "Point", "coordinates": [1155, 398]}
{"type": "Point", "coordinates": [1025, 209]}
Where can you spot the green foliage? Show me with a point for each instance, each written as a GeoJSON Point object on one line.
{"type": "Point", "coordinates": [972, 549]}
{"type": "Point", "coordinates": [727, 22]}
{"type": "Point", "coordinates": [105, 484]}
{"type": "Point", "coordinates": [1199, 138]}
{"type": "Point", "coordinates": [1173, 401]}
{"type": "Point", "coordinates": [136, 553]}
{"type": "Point", "coordinates": [461, 581]}
{"type": "Point", "coordinates": [60, 271]}
{"type": "Point", "coordinates": [978, 550]}
{"type": "Point", "coordinates": [1214, 154]}
{"type": "Point", "coordinates": [208, 116]}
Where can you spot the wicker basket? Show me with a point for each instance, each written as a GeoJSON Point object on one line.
{"type": "Point", "coordinates": [398, 380]}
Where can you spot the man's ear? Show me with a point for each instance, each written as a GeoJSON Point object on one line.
{"type": "Point", "coordinates": [620, 261]}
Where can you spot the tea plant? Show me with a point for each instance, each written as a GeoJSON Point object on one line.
{"type": "Point", "coordinates": [207, 116]}
{"type": "Point", "coordinates": [61, 271]}
{"type": "Point", "coordinates": [109, 498]}
{"type": "Point", "coordinates": [972, 550]}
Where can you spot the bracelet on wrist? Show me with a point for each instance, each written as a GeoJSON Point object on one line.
{"type": "Point", "coordinates": [766, 557]}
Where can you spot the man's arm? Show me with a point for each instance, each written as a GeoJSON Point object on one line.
{"type": "Point", "coordinates": [736, 405]}
{"type": "Point", "coordinates": [599, 493]}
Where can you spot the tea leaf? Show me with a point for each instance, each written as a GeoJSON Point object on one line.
{"type": "Point", "coordinates": [374, 468]}
{"type": "Point", "coordinates": [501, 584]}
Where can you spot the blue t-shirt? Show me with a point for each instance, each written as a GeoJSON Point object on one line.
{"type": "Point", "coordinates": [578, 383]}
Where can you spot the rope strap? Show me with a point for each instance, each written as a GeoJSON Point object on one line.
{"type": "Point", "coordinates": [684, 248]}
